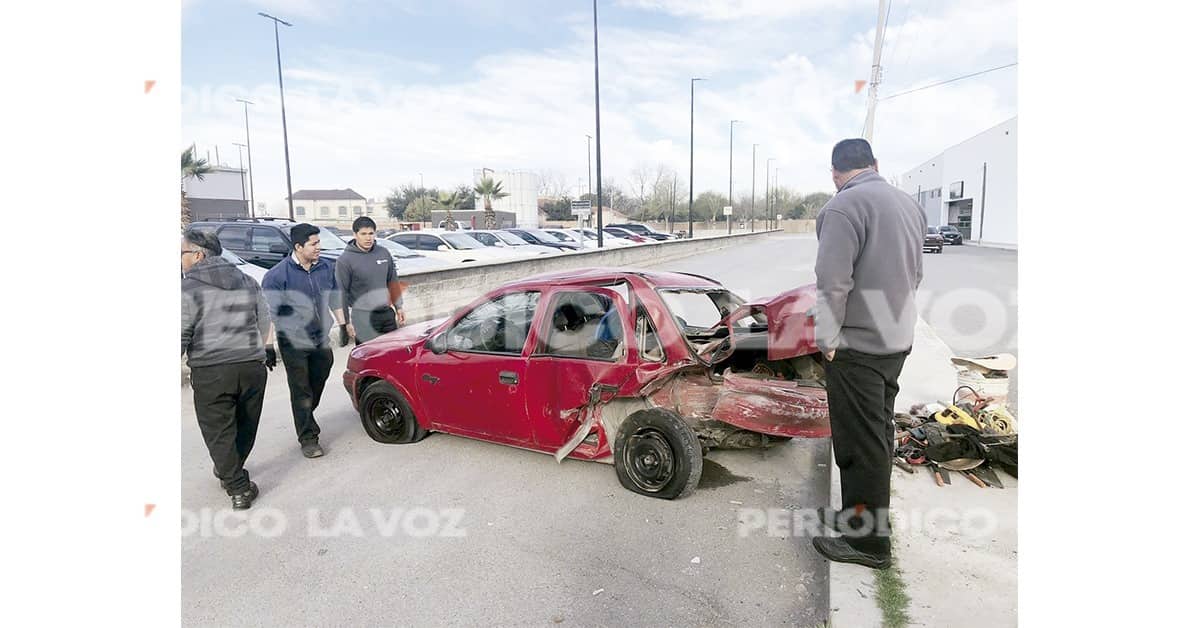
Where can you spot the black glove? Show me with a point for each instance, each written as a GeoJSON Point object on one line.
{"type": "Point", "coordinates": [271, 357]}
{"type": "Point", "coordinates": [343, 336]}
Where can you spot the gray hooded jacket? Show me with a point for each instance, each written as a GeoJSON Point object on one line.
{"type": "Point", "coordinates": [363, 278]}
{"type": "Point", "coordinates": [224, 315]}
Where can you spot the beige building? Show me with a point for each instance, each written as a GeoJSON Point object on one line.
{"type": "Point", "coordinates": [335, 206]}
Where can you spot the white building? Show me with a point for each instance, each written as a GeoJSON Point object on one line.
{"type": "Point", "coordinates": [973, 186]}
{"type": "Point", "coordinates": [333, 206]}
{"type": "Point", "coordinates": [220, 194]}
{"type": "Point", "coordinates": [522, 188]}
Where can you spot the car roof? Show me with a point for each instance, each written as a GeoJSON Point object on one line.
{"type": "Point", "coordinates": [585, 276]}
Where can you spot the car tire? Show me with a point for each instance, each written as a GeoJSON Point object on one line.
{"type": "Point", "coordinates": [658, 455]}
{"type": "Point", "coordinates": [387, 417]}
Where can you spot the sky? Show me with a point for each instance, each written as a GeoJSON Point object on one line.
{"type": "Point", "coordinates": [383, 93]}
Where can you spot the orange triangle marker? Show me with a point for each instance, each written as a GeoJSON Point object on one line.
{"type": "Point", "coordinates": [149, 86]}
{"type": "Point", "coordinates": [858, 85]}
{"type": "Point", "coordinates": [149, 509]}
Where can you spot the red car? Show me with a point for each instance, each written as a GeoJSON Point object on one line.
{"type": "Point", "coordinates": [643, 370]}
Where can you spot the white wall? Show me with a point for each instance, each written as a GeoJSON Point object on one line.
{"type": "Point", "coordinates": [221, 183]}
{"type": "Point", "coordinates": [926, 180]}
{"type": "Point", "coordinates": [994, 215]}
{"type": "Point", "coordinates": [522, 187]}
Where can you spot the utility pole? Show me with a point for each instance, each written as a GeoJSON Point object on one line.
{"type": "Point", "coordinates": [692, 157]}
{"type": "Point", "coordinates": [753, 174]}
{"type": "Point", "coordinates": [249, 160]}
{"type": "Point", "coordinates": [876, 73]}
{"type": "Point", "coordinates": [982, 202]}
{"type": "Point", "coordinates": [589, 143]}
{"type": "Point", "coordinates": [599, 178]}
{"type": "Point", "coordinates": [768, 193]}
{"type": "Point", "coordinates": [242, 173]}
{"type": "Point", "coordinates": [287, 159]}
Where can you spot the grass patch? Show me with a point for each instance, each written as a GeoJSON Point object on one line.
{"type": "Point", "coordinates": [890, 597]}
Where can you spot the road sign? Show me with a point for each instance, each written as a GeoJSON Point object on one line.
{"type": "Point", "coordinates": [778, 216]}
{"type": "Point", "coordinates": [728, 210]}
{"type": "Point", "coordinates": [581, 208]}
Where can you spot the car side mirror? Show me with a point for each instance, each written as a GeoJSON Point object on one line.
{"type": "Point", "coordinates": [438, 344]}
{"type": "Point", "coordinates": [443, 247]}
{"type": "Point", "coordinates": [278, 249]}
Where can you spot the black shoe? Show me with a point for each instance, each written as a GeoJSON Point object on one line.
{"type": "Point", "coordinates": [242, 501]}
{"type": "Point", "coordinates": [312, 450]}
{"type": "Point", "coordinates": [838, 521]}
{"type": "Point", "coordinates": [839, 551]}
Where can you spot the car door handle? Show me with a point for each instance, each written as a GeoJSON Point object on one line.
{"type": "Point", "coordinates": [430, 378]}
{"type": "Point", "coordinates": [508, 377]}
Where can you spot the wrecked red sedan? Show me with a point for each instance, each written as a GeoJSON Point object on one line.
{"type": "Point", "coordinates": [644, 370]}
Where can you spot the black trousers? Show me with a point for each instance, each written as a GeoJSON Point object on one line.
{"type": "Point", "coordinates": [307, 370]}
{"type": "Point", "coordinates": [229, 400]}
{"type": "Point", "coordinates": [371, 324]}
{"type": "Point", "coordinates": [862, 392]}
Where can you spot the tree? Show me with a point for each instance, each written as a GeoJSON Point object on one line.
{"type": "Point", "coordinates": [466, 195]}
{"type": "Point", "coordinates": [556, 209]}
{"type": "Point", "coordinates": [708, 206]}
{"type": "Point", "coordinates": [189, 166]}
{"type": "Point", "coordinates": [448, 201]}
{"type": "Point", "coordinates": [812, 203]}
{"type": "Point", "coordinates": [489, 188]}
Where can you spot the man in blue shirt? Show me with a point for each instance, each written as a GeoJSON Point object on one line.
{"type": "Point", "coordinates": [303, 296]}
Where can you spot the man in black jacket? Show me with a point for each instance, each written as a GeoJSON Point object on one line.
{"type": "Point", "coordinates": [366, 274]}
{"type": "Point", "coordinates": [224, 322]}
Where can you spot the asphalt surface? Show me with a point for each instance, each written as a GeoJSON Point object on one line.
{"type": "Point", "coordinates": [451, 531]}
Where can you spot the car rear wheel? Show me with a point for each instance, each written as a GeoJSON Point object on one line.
{"type": "Point", "coordinates": [387, 417]}
{"type": "Point", "coordinates": [658, 455]}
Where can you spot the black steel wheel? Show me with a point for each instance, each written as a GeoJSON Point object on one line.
{"type": "Point", "coordinates": [658, 455]}
{"type": "Point", "coordinates": [387, 417]}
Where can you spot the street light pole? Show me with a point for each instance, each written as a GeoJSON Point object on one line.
{"type": "Point", "coordinates": [589, 157]}
{"type": "Point", "coordinates": [243, 173]}
{"type": "Point", "coordinates": [287, 160]}
{"type": "Point", "coordinates": [729, 218]}
{"type": "Point", "coordinates": [768, 194]}
{"type": "Point", "coordinates": [753, 174]}
{"type": "Point", "coordinates": [692, 156]}
{"type": "Point", "coordinates": [599, 178]}
{"type": "Point", "coordinates": [776, 185]}
{"type": "Point", "coordinates": [249, 159]}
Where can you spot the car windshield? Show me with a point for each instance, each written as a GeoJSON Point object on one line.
{"type": "Point", "coordinates": [949, 229]}
{"type": "Point", "coordinates": [560, 236]}
{"type": "Point", "coordinates": [397, 249]}
{"type": "Point", "coordinates": [509, 238]}
{"type": "Point", "coordinates": [542, 235]}
{"type": "Point", "coordinates": [462, 241]}
{"type": "Point", "coordinates": [698, 309]}
{"type": "Point", "coordinates": [931, 230]}
{"type": "Point", "coordinates": [330, 241]}
{"type": "Point", "coordinates": [586, 233]}
{"type": "Point", "coordinates": [636, 228]}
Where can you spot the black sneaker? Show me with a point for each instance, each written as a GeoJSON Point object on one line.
{"type": "Point", "coordinates": [839, 551]}
{"type": "Point", "coordinates": [312, 450]}
{"type": "Point", "coordinates": [242, 501]}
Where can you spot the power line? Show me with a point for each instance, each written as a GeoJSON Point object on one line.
{"type": "Point", "coordinates": [957, 78]}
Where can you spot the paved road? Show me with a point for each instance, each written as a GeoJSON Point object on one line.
{"type": "Point", "coordinates": [971, 302]}
{"type": "Point", "coordinates": [541, 543]}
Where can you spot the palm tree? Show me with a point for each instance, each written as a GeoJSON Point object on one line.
{"type": "Point", "coordinates": [448, 201]}
{"type": "Point", "coordinates": [189, 166]}
{"type": "Point", "coordinates": [489, 189]}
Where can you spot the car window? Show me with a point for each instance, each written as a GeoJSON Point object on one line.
{"type": "Point", "coordinates": [701, 308]}
{"type": "Point", "coordinates": [649, 347]}
{"type": "Point", "coordinates": [235, 237]}
{"type": "Point", "coordinates": [584, 325]}
{"type": "Point", "coordinates": [262, 238]}
{"type": "Point", "coordinates": [561, 237]}
{"type": "Point", "coordinates": [497, 326]}
{"type": "Point", "coordinates": [484, 238]}
{"type": "Point", "coordinates": [510, 238]}
{"type": "Point", "coordinates": [461, 241]}
{"type": "Point", "coordinates": [396, 248]}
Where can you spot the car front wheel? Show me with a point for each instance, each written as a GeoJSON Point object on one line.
{"type": "Point", "coordinates": [658, 455]}
{"type": "Point", "coordinates": [387, 417]}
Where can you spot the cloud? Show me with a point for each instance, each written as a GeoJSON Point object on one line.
{"type": "Point", "coordinates": [370, 120]}
{"type": "Point", "coordinates": [726, 10]}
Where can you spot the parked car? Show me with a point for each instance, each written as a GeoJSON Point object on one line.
{"type": "Point", "coordinates": [265, 241]}
{"type": "Point", "coordinates": [452, 246]}
{"type": "Point", "coordinates": [626, 234]}
{"type": "Point", "coordinates": [610, 241]}
{"type": "Point", "coordinates": [644, 231]}
{"type": "Point", "coordinates": [504, 239]}
{"type": "Point", "coordinates": [569, 235]}
{"type": "Point", "coordinates": [646, 370]}
{"type": "Point", "coordinates": [409, 261]}
{"type": "Point", "coordinates": [537, 236]}
{"type": "Point", "coordinates": [950, 234]}
{"type": "Point", "coordinates": [933, 240]}
{"type": "Point", "coordinates": [254, 272]}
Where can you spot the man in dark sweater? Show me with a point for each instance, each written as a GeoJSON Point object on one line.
{"type": "Point", "coordinates": [224, 324]}
{"type": "Point", "coordinates": [302, 293]}
{"type": "Point", "coordinates": [868, 268]}
{"type": "Point", "coordinates": [366, 275]}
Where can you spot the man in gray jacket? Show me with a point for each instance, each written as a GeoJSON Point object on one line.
{"type": "Point", "coordinates": [868, 268]}
{"type": "Point", "coordinates": [366, 275]}
{"type": "Point", "coordinates": [224, 322]}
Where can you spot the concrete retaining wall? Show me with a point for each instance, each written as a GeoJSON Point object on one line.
{"type": "Point", "coordinates": [441, 292]}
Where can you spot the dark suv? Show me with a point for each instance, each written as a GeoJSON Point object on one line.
{"type": "Point", "coordinates": [933, 240]}
{"type": "Point", "coordinates": [265, 241]}
{"type": "Point", "coordinates": [950, 234]}
{"type": "Point", "coordinates": [643, 231]}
